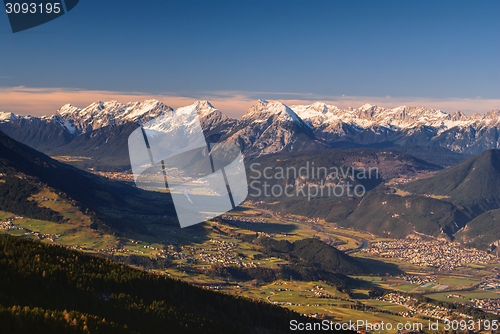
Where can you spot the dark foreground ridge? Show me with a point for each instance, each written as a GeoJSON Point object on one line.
{"type": "Point", "coordinates": [50, 289]}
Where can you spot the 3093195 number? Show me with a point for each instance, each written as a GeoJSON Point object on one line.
{"type": "Point", "coordinates": [471, 325]}
{"type": "Point", "coordinates": [32, 8]}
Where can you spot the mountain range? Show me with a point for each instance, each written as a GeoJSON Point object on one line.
{"type": "Point", "coordinates": [457, 202]}
{"type": "Point", "coordinates": [101, 129]}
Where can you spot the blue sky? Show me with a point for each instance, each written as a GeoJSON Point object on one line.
{"type": "Point", "coordinates": [443, 54]}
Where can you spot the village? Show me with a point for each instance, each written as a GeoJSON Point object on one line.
{"type": "Point", "coordinates": [441, 255]}
{"type": "Point", "coordinates": [427, 309]}
{"type": "Point", "coordinates": [491, 305]}
{"type": "Point", "coordinates": [9, 226]}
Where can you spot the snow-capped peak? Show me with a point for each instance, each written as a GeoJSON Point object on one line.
{"type": "Point", "coordinates": [368, 116]}
{"type": "Point", "coordinates": [100, 114]}
{"type": "Point", "coordinates": [187, 109]}
{"type": "Point", "coordinates": [67, 109]}
{"type": "Point", "coordinates": [67, 124]}
{"type": "Point", "coordinates": [367, 106]}
{"type": "Point", "coordinates": [315, 110]}
{"type": "Point", "coordinates": [205, 108]}
{"type": "Point", "coordinates": [7, 116]}
{"type": "Point", "coordinates": [264, 110]}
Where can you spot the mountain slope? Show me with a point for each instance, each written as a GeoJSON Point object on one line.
{"type": "Point", "coordinates": [101, 130]}
{"type": "Point", "coordinates": [441, 205]}
{"type": "Point", "coordinates": [109, 297]}
{"type": "Point", "coordinates": [472, 184]}
{"type": "Point", "coordinates": [360, 167]}
{"type": "Point", "coordinates": [40, 133]}
{"type": "Point", "coordinates": [327, 257]}
{"type": "Point", "coordinates": [433, 154]}
{"type": "Point", "coordinates": [483, 232]}
{"type": "Point", "coordinates": [386, 213]}
{"type": "Point", "coordinates": [270, 127]}
{"type": "Point", "coordinates": [15, 196]}
{"type": "Point", "coordinates": [90, 192]}
{"type": "Point", "coordinates": [108, 147]}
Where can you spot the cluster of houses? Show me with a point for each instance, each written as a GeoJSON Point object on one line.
{"type": "Point", "coordinates": [319, 292]}
{"type": "Point", "coordinates": [438, 254]}
{"type": "Point", "coordinates": [412, 279]}
{"type": "Point", "coordinates": [121, 176]}
{"type": "Point", "coordinates": [491, 305]}
{"type": "Point", "coordinates": [426, 309]}
{"type": "Point", "coordinates": [41, 236]}
{"type": "Point", "coordinates": [7, 225]}
{"type": "Point", "coordinates": [490, 286]}
{"type": "Point", "coordinates": [48, 199]}
{"type": "Point", "coordinates": [223, 254]}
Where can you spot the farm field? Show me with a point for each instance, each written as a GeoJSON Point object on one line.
{"type": "Point", "coordinates": [74, 231]}
{"type": "Point", "coordinates": [465, 295]}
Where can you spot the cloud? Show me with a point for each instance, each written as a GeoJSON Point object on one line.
{"type": "Point", "coordinates": [46, 101]}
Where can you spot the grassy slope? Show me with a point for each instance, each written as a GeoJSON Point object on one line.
{"type": "Point", "coordinates": [114, 203]}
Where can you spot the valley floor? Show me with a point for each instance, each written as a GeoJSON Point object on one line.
{"type": "Point", "coordinates": [399, 266]}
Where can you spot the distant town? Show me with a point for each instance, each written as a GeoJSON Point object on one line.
{"type": "Point", "coordinates": [441, 255]}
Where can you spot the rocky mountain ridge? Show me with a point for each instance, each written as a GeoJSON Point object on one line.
{"type": "Point", "coordinates": [271, 126]}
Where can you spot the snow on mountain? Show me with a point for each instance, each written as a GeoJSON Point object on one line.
{"type": "Point", "coordinates": [315, 116]}
{"type": "Point", "coordinates": [100, 114]}
{"type": "Point", "coordinates": [265, 110]}
{"type": "Point", "coordinates": [403, 125]}
{"type": "Point", "coordinates": [327, 120]}
{"type": "Point", "coordinates": [65, 124]}
{"type": "Point", "coordinates": [367, 116]}
{"type": "Point", "coordinates": [271, 126]}
{"type": "Point", "coordinates": [184, 119]}
{"type": "Point", "coordinates": [7, 116]}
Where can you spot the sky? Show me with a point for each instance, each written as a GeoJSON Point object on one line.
{"type": "Point", "coordinates": [438, 54]}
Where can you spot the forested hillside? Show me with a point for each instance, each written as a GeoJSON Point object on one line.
{"type": "Point", "coordinates": [50, 289]}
